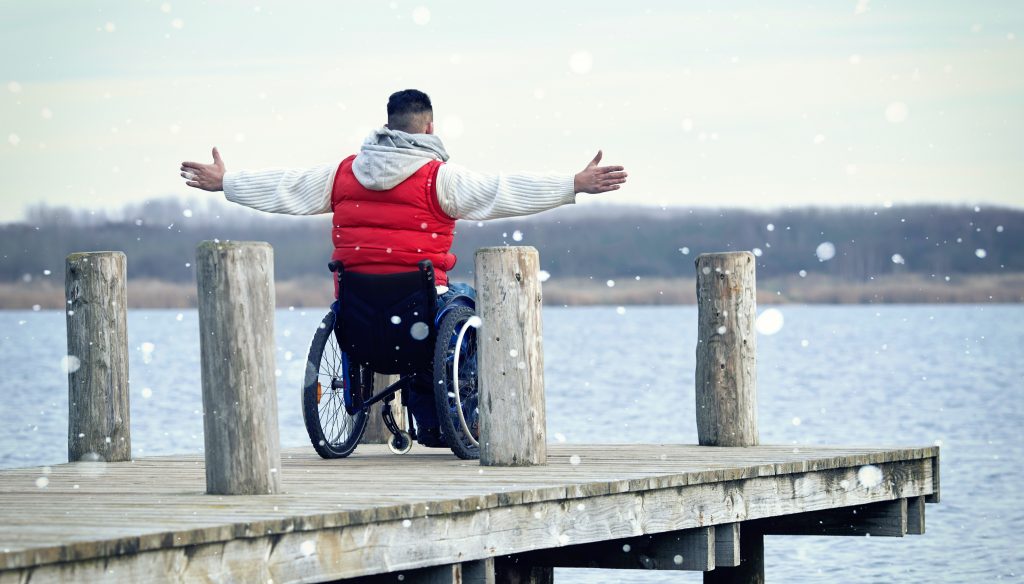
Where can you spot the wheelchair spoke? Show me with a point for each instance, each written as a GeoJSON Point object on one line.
{"type": "Point", "coordinates": [333, 432]}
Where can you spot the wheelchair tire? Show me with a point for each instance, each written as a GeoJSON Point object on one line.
{"type": "Point", "coordinates": [332, 430]}
{"type": "Point", "coordinates": [445, 387]}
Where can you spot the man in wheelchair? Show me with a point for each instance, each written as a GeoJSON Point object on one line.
{"type": "Point", "coordinates": [395, 204]}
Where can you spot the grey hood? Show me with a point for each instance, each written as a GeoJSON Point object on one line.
{"type": "Point", "coordinates": [388, 157]}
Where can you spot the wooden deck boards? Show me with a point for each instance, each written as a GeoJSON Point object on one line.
{"type": "Point", "coordinates": [92, 510]}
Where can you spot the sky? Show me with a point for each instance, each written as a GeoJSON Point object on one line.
{"type": "Point", "coordinates": [857, 102]}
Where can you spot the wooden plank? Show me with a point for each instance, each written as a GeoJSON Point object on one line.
{"type": "Point", "coordinates": [436, 539]}
{"type": "Point", "coordinates": [235, 282]}
{"type": "Point", "coordinates": [934, 496]}
{"type": "Point", "coordinates": [883, 519]}
{"type": "Point", "coordinates": [727, 545]}
{"type": "Point", "coordinates": [915, 515]}
{"type": "Point", "coordinates": [511, 357]}
{"type": "Point", "coordinates": [148, 511]}
{"type": "Point", "coordinates": [448, 574]}
{"type": "Point", "coordinates": [99, 426]}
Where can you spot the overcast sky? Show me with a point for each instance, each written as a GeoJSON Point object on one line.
{"type": "Point", "coordinates": [838, 103]}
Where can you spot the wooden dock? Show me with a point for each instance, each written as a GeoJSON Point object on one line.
{"type": "Point", "coordinates": [245, 511]}
{"type": "Point", "coordinates": [377, 513]}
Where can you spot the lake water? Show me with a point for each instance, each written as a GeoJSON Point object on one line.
{"type": "Point", "coordinates": [852, 375]}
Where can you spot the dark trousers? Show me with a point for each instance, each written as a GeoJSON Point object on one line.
{"type": "Point", "coordinates": [421, 398]}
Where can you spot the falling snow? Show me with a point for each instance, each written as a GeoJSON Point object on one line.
{"type": "Point", "coordinates": [70, 363]}
{"type": "Point", "coordinates": [419, 331]}
{"type": "Point", "coordinates": [421, 15]}
{"type": "Point", "coordinates": [869, 476]}
{"type": "Point", "coordinates": [147, 349]}
{"type": "Point", "coordinates": [896, 112]}
{"type": "Point", "coordinates": [581, 62]}
{"type": "Point", "coordinates": [770, 321]}
{"type": "Point", "coordinates": [826, 250]}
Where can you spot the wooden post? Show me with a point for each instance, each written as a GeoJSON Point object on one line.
{"type": "Point", "coordinates": [751, 567]}
{"type": "Point", "coordinates": [726, 375]}
{"type": "Point", "coordinates": [726, 379]}
{"type": "Point", "coordinates": [97, 359]}
{"type": "Point", "coordinates": [512, 417]}
{"type": "Point", "coordinates": [376, 432]}
{"type": "Point", "coordinates": [236, 324]}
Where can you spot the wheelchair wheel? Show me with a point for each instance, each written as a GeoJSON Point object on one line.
{"type": "Point", "coordinates": [446, 387]}
{"type": "Point", "coordinates": [333, 431]}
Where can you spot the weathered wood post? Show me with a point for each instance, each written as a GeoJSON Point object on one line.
{"type": "Point", "coordinates": [512, 418]}
{"type": "Point", "coordinates": [376, 432]}
{"type": "Point", "coordinates": [97, 359]}
{"type": "Point", "coordinates": [726, 350]}
{"type": "Point", "coordinates": [726, 379]}
{"type": "Point", "coordinates": [236, 324]}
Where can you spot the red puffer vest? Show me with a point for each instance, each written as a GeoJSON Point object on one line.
{"type": "Point", "coordinates": [384, 232]}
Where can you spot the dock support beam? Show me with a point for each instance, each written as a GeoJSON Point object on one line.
{"type": "Point", "coordinates": [512, 417]}
{"type": "Point", "coordinates": [726, 378]}
{"type": "Point", "coordinates": [236, 325]}
{"type": "Point", "coordinates": [751, 567]}
{"type": "Point", "coordinates": [97, 359]}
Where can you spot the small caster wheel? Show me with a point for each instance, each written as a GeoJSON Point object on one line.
{"type": "Point", "coordinates": [401, 443]}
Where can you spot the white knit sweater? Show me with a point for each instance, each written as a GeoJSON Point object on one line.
{"type": "Point", "coordinates": [462, 193]}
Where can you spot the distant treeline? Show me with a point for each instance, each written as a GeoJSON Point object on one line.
{"type": "Point", "coordinates": [602, 242]}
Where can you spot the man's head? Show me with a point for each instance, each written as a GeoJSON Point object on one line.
{"type": "Point", "coordinates": [410, 111]}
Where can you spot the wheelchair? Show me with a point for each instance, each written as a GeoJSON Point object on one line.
{"type": "Point", "coordinates": [391, 324]}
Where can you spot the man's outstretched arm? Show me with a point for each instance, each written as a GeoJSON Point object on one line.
{"type": "Point", "coordinates": [465, 194]}
{"type": "Point", "coordinates": [599, 179]}
{"type": "Point", "coordinates": [276, 190]}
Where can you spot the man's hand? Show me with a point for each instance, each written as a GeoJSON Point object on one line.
{"type": "Point", "coordinates": [599, 179]}
{"type": "Point", "coordinates": [209, 177]}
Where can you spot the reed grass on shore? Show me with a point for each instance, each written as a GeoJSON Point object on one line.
{"type": "Point", "coordinates": [317, 292]}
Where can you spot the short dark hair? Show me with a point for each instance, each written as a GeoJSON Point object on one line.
{"type": "Point", "coordinates": [406, 109]}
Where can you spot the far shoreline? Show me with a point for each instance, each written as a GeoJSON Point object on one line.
{"type": "Point", "coordinates": [311, 292]}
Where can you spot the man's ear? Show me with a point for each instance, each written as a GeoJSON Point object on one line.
{"type": "Point", "coordinates": [430, 127]}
